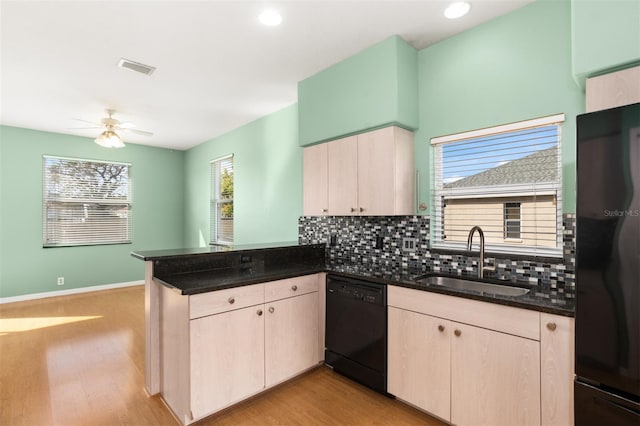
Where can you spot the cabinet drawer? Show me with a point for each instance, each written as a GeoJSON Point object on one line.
{"type": "Point", "coordinates": [282, 289]}
{"type": "Point", "coordinates": [506, 319]}
{"type": "Point", "coordinates": [215, 302]}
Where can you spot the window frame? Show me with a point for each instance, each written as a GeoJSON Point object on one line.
{"type": "Point", "coordinates": [508, 221]}
{"type": "Point", "coordinates": [509, 245]}
{"type": "Point", "coordinates": [48, 201]}
{"type": "Point", "coordinates": [217, 201]}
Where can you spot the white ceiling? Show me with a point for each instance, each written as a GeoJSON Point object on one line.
{"type": "Point", "coordinates": [217, 67]}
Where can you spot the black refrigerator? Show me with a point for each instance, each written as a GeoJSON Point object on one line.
{"type": "Point", "coordinates": [607, 384]}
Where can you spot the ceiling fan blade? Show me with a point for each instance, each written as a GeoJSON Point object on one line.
{"type": "Point", "coordinates": [85, 128]}
{"type": "Point", "coordinates": [89, 122]}
{"type": "Point", "coordinates": [135, 131]}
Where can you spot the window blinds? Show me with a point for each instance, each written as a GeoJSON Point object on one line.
{"type": "Point", "coordinates": [507, 182]}
{"type": "Point", "coordinates": [222, 200]}
{"type": "Point", "coordinates": [85, 202]}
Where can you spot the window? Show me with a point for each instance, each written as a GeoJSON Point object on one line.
{"type": "Point", "coordinates": [505, 179]}
{"type": "Point", "coordinates": [85, 202]}
{"type": "Point", "coordinates": [512, 221]}
{"type": "Point", "coordinates": [222, 200]}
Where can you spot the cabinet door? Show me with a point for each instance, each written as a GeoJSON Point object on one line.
{"type": "Point", "coordinates": [376, 172]}
{"type": "Point", "coordinates": [557, 361]}
{"type": "Point", "coordinates": [227, 359]}
{"type": "Point", "coordinates": [419, 360]}
{"type": "Point", "coordinates": [343, 176]}
{"type": "Point", "coordinates": [315, 182]}
{"type": "Point", "coordinates": [495, 378]}
{"type": "Point", "coordinates": [291, 337]}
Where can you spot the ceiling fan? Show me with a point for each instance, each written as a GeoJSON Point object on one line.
{"type": "Point", "coordinates": [109, 138]}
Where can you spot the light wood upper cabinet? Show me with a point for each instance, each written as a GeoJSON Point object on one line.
{"type": "Point", "coordinates": [419, 360]}
{"type": "Point", "coordinates": [557, 336]}
{"type": "Point", "coordinates": [343, 176]}
{"type": "Point", "coordinates": [367, 174]}
{"type": "Point", "coordinates": [315, 183]}
{"type": "Point", "coordinates": [385, 172]}
{"type": "Point", "coordinates": [613, 90]}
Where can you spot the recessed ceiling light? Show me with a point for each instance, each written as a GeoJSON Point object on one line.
{"type": "Point", "coordinates": [270, 18]}
{"type": "Point", "coordinates": [457, 9]}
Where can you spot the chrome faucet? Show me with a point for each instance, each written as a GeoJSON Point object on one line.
{"type": "Point", "coordinates": [470, 241]}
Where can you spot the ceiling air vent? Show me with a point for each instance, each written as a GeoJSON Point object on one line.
{"type": "Point", "coordinates": [136, 66]}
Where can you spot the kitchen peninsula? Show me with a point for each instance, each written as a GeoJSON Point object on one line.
{"type": "Point", "coordinates": [208, 324]}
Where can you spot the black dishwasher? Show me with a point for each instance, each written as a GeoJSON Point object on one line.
{"type": "Point", "coordinates": [356, 330]}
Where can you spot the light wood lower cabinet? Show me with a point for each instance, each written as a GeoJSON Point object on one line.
{"type": "Point", "coordinates": [227, 359]}
{"type": "Point", "coordinates": [419, 358]}
{"type": "Point", "coordinates": [291, 343]}
{"type": "Point", "coordinates": [495, 378]}
{"type": "Point", "coordinates": [476, 363]}
{"type": "Point", "coordinates": [219, 348]}
{"type": "Point", "coordinates": [557, 362]}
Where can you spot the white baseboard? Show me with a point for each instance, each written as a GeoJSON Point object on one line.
{"type": "Point", "coordinates": [68, 292]}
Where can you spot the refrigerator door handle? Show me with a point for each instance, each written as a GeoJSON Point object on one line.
{"type": "Point", "coordinates": [603, 401]}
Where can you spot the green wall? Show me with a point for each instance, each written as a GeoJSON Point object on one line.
{"type": "Point", "coordinates": [267, 181]}
{"type": "Point", "coordinates": [373, 88]}
{"type": "Point", "coordinates": [516, 67]}
{"type": "Point", "coordinates": [26, 268]}
{"type": "Point", "coordinates": [513, 68]}
{"type": "Point", "coordinates": [606, 35]}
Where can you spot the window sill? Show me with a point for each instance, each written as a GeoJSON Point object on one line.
{"type": "Point", "coordinates": [500, 255]}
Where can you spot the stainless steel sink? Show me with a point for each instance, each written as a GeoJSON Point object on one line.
{"type": "Point", "coordinates": [483, 288]}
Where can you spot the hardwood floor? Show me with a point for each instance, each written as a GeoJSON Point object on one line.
{"type": "Point", "coordinates": [79, 360]}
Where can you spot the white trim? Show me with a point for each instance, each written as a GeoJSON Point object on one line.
{"type": "Point", "coordinates": [34, 296]}
{"type": "Point", "coordinates": [504, 250]}
{"type": "Point", "coordinates": [510, 127]}
{"type": "Point", "coordinates": [494, 194]}
{"type": "Point", "coordinates": [86, 160]}
{"type": "Point", "coordinates": [221, 158]}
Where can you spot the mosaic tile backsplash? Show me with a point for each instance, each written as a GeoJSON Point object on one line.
{"type": "Point", "coordinates": [355, 240]}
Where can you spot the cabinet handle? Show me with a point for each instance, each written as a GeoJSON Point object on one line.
{"type": "Point", "coordinates": [232, 300]}
{"type": "Point", "coordinates": [551, 326]}
{"type": "Point", "coordinates": [457, 333]}
{"type": "Point", "coordinates": [324, 210]}
{"type": "Point", "coordinates": [294, 287]}
{"type": "Point", "coordinates": [259, 312]}
{"type": "Point", "coordinates": [271, 310]}
{"type": "Point", "coordinates": [353, 209]}
{"type": "Point", "coordinates": [441, 328]}
{"type": "Point", "coordinates": [361, 209]}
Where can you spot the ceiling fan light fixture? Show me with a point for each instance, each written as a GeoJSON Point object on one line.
{"type": "Point", "coordinates": [109, 139]}
{"type": "Point", "coordinates": [457, 10]}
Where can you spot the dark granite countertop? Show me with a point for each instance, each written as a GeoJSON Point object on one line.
{"type": "Point", "coordinates": [182, 252]}
{"type": "Point", "coordinates": [407, 278]}
{"type": "Point", "coordinates": [194, 282]}
{"type": "Point", "coordinates": [217, 279]}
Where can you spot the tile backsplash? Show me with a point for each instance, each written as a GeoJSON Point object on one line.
{"type": "Point", "coordinates": [355, 241]}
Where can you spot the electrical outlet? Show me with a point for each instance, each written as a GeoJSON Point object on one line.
{"type": "Point", "coordinates": [408, 244]}
{"type": "Point", "coordinates": [60, 280]}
